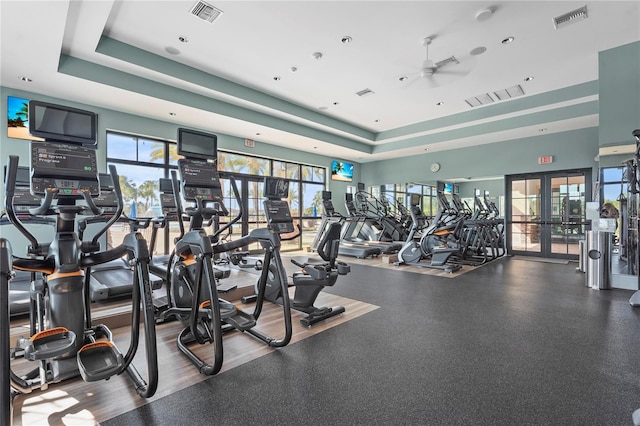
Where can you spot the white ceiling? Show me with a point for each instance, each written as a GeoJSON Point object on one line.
{"type": "Point", "coordinates": [254, 41]}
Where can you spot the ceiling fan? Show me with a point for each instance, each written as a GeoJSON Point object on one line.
{"type": "Point", "coordinates": [430, 68]}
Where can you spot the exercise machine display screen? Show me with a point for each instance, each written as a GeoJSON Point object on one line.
{"type": "Point", "coordinates": [68, 168]}
{"type": "Point", "coordinates": [194, 144]}
{"type": "Point", "coordinates": [167, 202]}
{"type": "Point", "coordinates": [62, 123]}
{"type": "Point", "coordinates": [276, 188]}
{"type": "Point", "coordinates": [200, 180]}
{"type": "Point", "coordinates": [278, 216]}
{"type": "Point", "coordinates": [166, 186]}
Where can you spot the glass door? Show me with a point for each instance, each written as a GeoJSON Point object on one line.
{"type": "Point", "coordinates": [546, 213]}
{"type": "Point", "coordinates": [567, 216]}
{"type": "Point", "coordinates": [525, 221]}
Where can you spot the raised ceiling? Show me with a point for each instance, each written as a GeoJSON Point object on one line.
{"type": "Point", "coordinates": [236, 75]}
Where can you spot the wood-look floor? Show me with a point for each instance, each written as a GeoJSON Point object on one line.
{"type": "Point", "coordinates": [75, 402]}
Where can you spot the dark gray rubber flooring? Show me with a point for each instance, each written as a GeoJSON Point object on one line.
{"type": "Point", "coordinates": [510, 343]}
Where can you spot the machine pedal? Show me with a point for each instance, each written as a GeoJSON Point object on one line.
{"type": "Point", "coordinates": [49, 344]}
{"type": "Point", "coordinates": [99, 361]}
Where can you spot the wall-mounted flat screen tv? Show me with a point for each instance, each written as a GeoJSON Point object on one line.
{"type": "Point", "coordinates": [18, 118]}
{"type": "Point", "coordinates": [62, 123]}
{"type": "Point", "coordinates": [195, 144]}
{"type": "Point", "coordinates": [448, 188]}
{"type": "Point", "coordinates": [341, 171]}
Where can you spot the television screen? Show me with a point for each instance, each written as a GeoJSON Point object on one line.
{"type": "Point", "coordinates": [276, 188]}
{"type": "Point", "coordinates": [18, 118]}
{"type": "Point", "coordinates": [341, 171]}
{"type": "Point", "coordinates": [60, 123]}
{"type": "Point", "coordinates": [448, 188]}
{"type": "Point", "coordinates": [166, 186]}
{"type": "Point", "coordinates": [194, 144]}
{"type": "Point", "coordinates": [106, 182]}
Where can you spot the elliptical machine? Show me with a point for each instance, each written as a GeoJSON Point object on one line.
{"type": "Point", "coordinates": [419, 244]}
{"type": "Point", "coordinates": [314, 276]}
{"type": "Point", "coordinates": [64, 342]}
{"type": "Point", "coordinates": [192, 293]}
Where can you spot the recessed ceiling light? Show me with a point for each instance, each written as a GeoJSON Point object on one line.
{"type": "Point", "coordinates": [317, 55]}
{"type": "Point", "coordinates": [25, 79]}
{"type": "Point", "coordinates": [440, 103]}
{"type": "Point", "coordinates": [336, 103]}
{"type": "Point", "coordinates": [172, 50]}
{"type": "Point", "coordinates": [183, 39]}
{"type": "Point", "coordinates": [377, 121]}
{"type": "Point", "coordinates": [403, 78]}
{"type": "Point", "coordinates": [346, 39]}
{"type": "Point", "coordinates": [508, 40]}
{"type": "Point", "coordinates": [528, 78]}
{"type": "Point", "coordinates": [172, 113]}
{"type": "Point", "coordinates": [277, 78]}
{"type": "Point", "coordinates": [543, 129]}
{"type": "Point", "coordinates": [478, 51]}
{"type": "Point", "coordinates": [293, 69]}
{"type": "Point", "coordinates": [258, 133]}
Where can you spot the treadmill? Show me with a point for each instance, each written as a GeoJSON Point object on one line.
{"type": "Point", "coordinates": [345, 248]}
{"type": "Point", "coordinates": [358, 231]}
{"type": "Point", "coordinates": [113, 279]}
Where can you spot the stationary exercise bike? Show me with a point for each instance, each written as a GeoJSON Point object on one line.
{"type": "Point", "coordinates": [65, 344]}
{"type": "Point", "coordinates": [314, 276]}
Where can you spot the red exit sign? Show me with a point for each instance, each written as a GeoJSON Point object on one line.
{"type": "Point", "coordinates": [545, 159]}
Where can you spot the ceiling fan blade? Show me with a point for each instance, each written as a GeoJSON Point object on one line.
{"type": "Point", "coordinates": [452, 71]}
{"type": "Point", "coordinates": [431, 81]}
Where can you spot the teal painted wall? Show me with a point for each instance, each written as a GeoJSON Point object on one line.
{"type": "Point", "coordinates": [619, 80]}
{"type": "Point", "coordinates": [570, 150]}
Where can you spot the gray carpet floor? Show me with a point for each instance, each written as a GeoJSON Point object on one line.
{"type": "Point", "coordinates": [509, 343]}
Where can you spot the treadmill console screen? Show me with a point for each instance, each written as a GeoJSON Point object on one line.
{"type": "Point", "coordinates": [68, 168]}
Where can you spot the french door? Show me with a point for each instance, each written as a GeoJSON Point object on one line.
{"type": "Point", "coordinates": [546, 213]}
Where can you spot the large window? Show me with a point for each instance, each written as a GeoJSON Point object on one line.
{"type": "Point", "coordinates": [142, 161]}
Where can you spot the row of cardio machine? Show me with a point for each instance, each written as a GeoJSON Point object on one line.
{"type": "Point", "coordinates": [457, 235]}
{"type": "Point", "coordinates": [73, 197]}
{"type": "Point", "coordinates": [361, 235]}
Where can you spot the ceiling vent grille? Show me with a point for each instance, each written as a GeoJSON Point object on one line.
{"type": "Point", "coordinates": [365, 92]}
{"type": "Point", "coordinates": [478, 100]}
{"type": "Point", "coordinates": [205, 11]}
{"type": "Point", "coordinates": [509, 92]}
{"type": "Point", "coordinates": [573, 16]}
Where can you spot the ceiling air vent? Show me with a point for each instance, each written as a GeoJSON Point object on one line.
{"type": "Point", "coordinates": [509, 92]}
{"type": "Point", "coordinates": [478, 100]}
{"type": "Point", "coordinates": [205, 11]}
{"type": "Point", "coordinates": [567, 18]}
{"type": "Point", "coordinates": [365, 92]}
